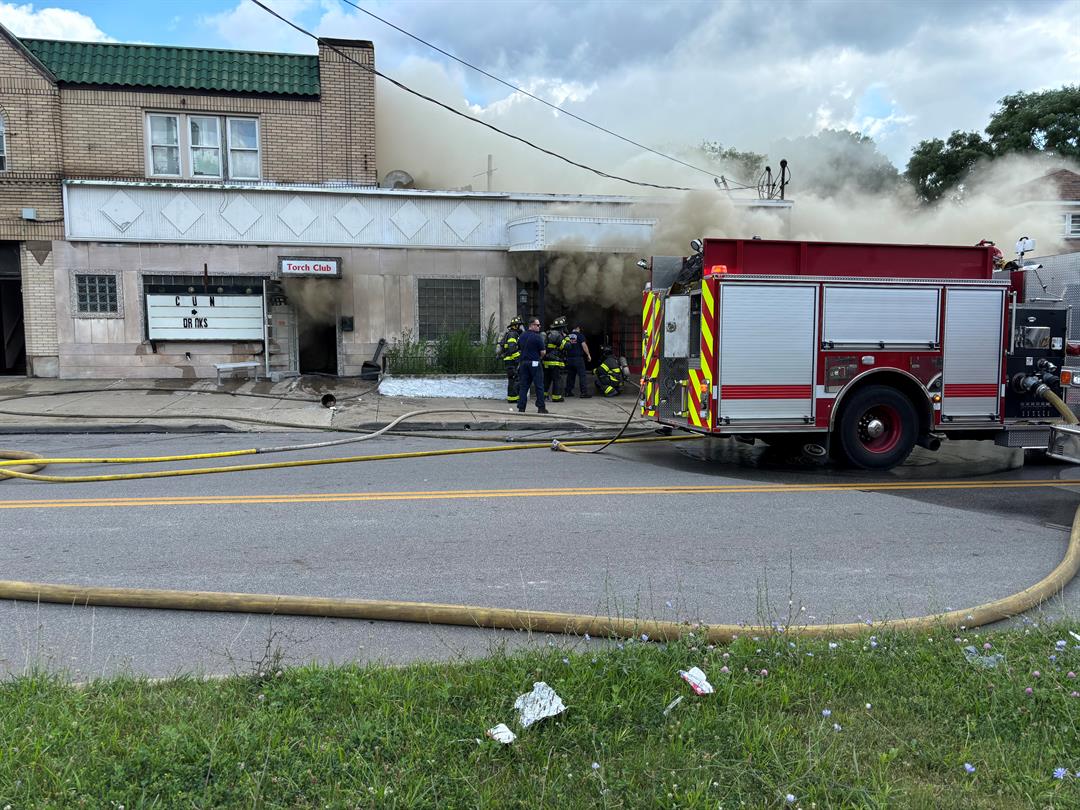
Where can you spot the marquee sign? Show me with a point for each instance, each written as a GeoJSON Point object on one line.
{"type": "Point", "coordinates": [204, 317]}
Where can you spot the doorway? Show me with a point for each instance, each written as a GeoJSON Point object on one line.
{"type": "Point", "coordinates": [12, 331]}
{"type": "Point", "coordinates": [315, 302]}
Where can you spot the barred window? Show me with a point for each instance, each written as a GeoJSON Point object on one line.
{"type": "Point", "coordinates": [448, 305]}
{"type": "Point", "coordinates": [96, 294]}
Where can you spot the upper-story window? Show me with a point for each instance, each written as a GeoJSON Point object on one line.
{"type": "Point", "coordinates": [202, 146]}
{"type": "Point", "coordinates": [3, 144]}
{"type": "Point", "coordinates": [1072, 226]}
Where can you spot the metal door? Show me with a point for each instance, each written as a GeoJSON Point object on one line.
{"type": "Point", "coordinates": [768, 349]}
{"type": "Point", "coordinates": [971, 373]}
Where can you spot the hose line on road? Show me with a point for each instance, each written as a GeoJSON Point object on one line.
{"type": "Point", "coordinates": [527, 620]}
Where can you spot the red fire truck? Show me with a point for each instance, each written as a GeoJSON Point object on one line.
{"type": "Point", "coordinates": [857, 350]}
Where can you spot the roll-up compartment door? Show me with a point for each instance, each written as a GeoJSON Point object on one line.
{"type": "Point", "coordinates": [971, 374]}
{"type": "Point", "coordinates": [768, 348]}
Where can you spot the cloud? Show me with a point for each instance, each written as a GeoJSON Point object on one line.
{"type": "Point", "coordinates": [248, 27]}
{"type": "Point", "coordinates": [50, 23]}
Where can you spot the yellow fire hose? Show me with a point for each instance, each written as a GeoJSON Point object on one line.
{"type": "Point", "coordinates": [502, 618]}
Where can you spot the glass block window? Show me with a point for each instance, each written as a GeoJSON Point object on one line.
{"type": "Point", "coordinates": [448, 305]}
{"type": "Point", "coordinates": [96, 294]}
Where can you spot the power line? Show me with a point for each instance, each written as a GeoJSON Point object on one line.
{"type": "Point", "coordinates": [525, 92]}
{"type": "Point", "coordinates": [460, 114]}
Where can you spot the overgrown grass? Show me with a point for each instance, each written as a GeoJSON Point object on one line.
{"type": "Point", "coordinates": [455, 353]}
{"type": "Point", "coordinates": [910, 711]}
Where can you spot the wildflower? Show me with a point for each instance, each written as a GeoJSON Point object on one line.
{"type": "Point", "coordinates": [969, 767]}
{"type": "Point", "coordinates": [724, 670]}
{"type": "Point", "coordinates": [1053, 659]}
{"type": "Point", "coordinates": [1074, 694]}
{"type": "Point", "coordinates": [987, 645]}
{"type": "Point", "coordinates": [1028, 691]}
{"type": "Point", "coordinates": [262, 697]}
{"type": "Point", "coordinates": [809, 655]}
{"type": "Point", "coordinates": [764, 672]}
{"type": "Point", "coordinates": [837, 727]}
{"type": "Point", "coordinates": [566, 660]}
{"type": "Point", "coordinates": [873, 643]}
{"type": "Point", "coordinates": [1036, 674]}
{"type": "Point", "coordinates": [826, 712]}
{"type": "Point", "coordinates": [790, 798]}
{"type": "Point", "coordinates": [833, 645]}
{"type": "Point", "coordinates": [596, 766]}
{"type": "Point", "coordinates": [1061, 773]}
{"type": "Point", "coordinates": [644, 636]}
{"type": "Point", "coordinates": [868, 707]}
{"type": "Point", "coordinates": [725, 656]}
{"type": "Point", "coordinates": [1071, 674]}
{"type": "Point", "coordinates": [1061, 644]}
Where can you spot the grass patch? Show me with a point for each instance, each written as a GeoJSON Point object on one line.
{"type": "Point", "coordinates": [407, 737]}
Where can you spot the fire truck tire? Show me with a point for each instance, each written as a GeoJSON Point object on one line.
{"type": "Point", "coordinates": [878, 428]}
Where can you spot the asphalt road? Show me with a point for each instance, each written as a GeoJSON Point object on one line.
{"type": "Point", "coordinates": [735, 544]}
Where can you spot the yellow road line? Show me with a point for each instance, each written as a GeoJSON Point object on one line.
{"type": "Point", "coordinates": [482, 494]}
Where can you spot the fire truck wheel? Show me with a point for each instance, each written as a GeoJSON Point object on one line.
{"type": "Point", "coordinates": [878, 428]}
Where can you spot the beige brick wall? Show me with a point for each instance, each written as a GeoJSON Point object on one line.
{"type": "Point", "coordinates": [29, 104]}
{"type": "Point", "coordinates": [39, 310]}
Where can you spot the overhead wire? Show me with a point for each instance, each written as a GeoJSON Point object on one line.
{"type": "Point", "coordinates": [330, 46]}
{"type": "Point", "coordinates": [534, 97]}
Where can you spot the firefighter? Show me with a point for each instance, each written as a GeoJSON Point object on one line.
{"type": "Point", "coordinates": [509, 353]}
{"type": "Point", "coordinates": [556, 342]}
{"type": "Point", "coordinates": [577, 352]}
{"type": "Point", "coordinates": [609, 374]}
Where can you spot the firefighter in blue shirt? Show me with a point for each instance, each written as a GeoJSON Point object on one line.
{"type": "Point", "coordinates": [509, 353]}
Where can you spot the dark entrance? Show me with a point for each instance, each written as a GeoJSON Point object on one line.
{"type": "Point", "coordinates": [315, 302]}
{"type": "Point", "coordinates": [12, 334]}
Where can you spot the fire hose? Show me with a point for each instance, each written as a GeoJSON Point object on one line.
{"type": "Point", "coordinates": [506, 618]}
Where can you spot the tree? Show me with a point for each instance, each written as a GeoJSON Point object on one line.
{"type": "Point", "coordinates": [1046, 121]}
{"type": "Point", "coordinates": [937, 166]}
{"type": "Point", "coordinates": [743, 166]}
{"type": "Point", "coordinates": [836, 160]}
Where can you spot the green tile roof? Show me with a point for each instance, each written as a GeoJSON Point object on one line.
{"type": "Point", "coordinates": [120, 65]}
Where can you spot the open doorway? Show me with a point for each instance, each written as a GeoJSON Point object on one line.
{"type": "Point", "coordinates": [12, 331]}
{"type": "Point", "coordinates": [315, 302]}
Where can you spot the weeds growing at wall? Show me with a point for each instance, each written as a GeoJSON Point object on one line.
{"type": "Point", "coordinates": [453, 353]}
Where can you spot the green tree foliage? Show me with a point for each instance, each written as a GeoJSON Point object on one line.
{"type": "Point", "coordinates": [1047, 121]}
{"type": "Point", "coordinates": [1041, 123]}
{"type": "Point", "coordinates": [834, 161]}
{"type": "Point", "coordinates": [744, 167]}
{"type": "Point", "coordinates": [938, 166]}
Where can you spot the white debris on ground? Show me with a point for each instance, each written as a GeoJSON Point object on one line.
{"type": "Point", "coordinates": [502, 734]}
{"type": "Point", "coordinates": [443, 387]}
{"type": "Point", "coordinates": [541, 702]}
{"type": "Point", "coordinates": [697, 680]}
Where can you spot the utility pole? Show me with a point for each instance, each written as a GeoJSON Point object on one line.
{"type": "Point", "coordinates": [490, 171]}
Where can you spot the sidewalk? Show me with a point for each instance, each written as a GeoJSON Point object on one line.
{"type": "Point", "coordinates": [202, 406]}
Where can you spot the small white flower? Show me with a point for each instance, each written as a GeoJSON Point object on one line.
{"type": "Point", "coordinates": [790, 798]}
{"type": "Point", "coordinates": [596, 766]}
{"type": "Point", "coordinates": [826, 712]}
{"type": "Point", "coordinates": [833, 645]}
{"type": "Point", "coordinates": [868, 707]}
{"type": "Point", "coordinates": [837, 727]}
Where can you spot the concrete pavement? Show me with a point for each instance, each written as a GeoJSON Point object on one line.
{"type": "Point", "coordinates": [173, 406]}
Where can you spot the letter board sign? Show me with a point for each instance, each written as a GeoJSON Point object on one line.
{"type": "Point", "coordinates": [204, 317]}
{"type": "Point", "coordinates": [306, 266]}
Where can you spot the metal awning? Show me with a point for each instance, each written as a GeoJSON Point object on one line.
{"type": "Point", "coordinates": [579, 234]}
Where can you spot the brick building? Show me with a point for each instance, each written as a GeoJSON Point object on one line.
{"type": "Point", "coordinates": [166, 210]}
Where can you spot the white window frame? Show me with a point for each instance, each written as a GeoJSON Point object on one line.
{"type": "Point", "coordinates": [185, 147]}
{"type": "Point", "coordinates": [230, 148]}
{"type": "Point", "coordinates": [193, 147]}
{"type": "Point", "coordinates": [1072, 225]}
{"type": "Point", "coordinates": [150, 145]}
{"type": "Point", "coordinates": [3, 144]}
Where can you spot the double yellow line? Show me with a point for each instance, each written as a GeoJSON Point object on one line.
{"type": "Point", "coordinates": [565, 492]}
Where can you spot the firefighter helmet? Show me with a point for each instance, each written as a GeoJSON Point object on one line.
{"type": "Point", "coordinates": [559, 323]}
{"type": "Point", "coordinates": [516, 323]}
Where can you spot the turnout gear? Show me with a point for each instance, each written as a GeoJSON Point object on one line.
{"type": "Point", "coordinates": [575, 364]}
{"type": "Point", "coordinates": [510, 353]}
{"type": "Point", "coordinates": [609, 374]}
{"type": "Point", "coordinates": [555, 342]}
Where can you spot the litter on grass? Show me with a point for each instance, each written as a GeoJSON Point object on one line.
{"type": "Point", "coordinates": [501, 733]}
{"type": "Point", "coordinates": [983, 661]}
{"type": "Point", "coordinates": [541, 702]}
{"type": "Point", "coordinates": [668, 709]}
{"type": "Point", "coordinates": [697, 680]}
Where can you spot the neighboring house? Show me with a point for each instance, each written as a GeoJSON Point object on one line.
{"type": "Point", "coordinates": [1059, 191]}
{"type": "Point", "coordinates": [167, 210]}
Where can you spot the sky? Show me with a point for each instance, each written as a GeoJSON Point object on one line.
{"type": "Point", "coordinates": [668, 74]}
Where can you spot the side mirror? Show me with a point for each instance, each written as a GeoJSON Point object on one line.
{"type": "Point", "coordinates": [695, 245]}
